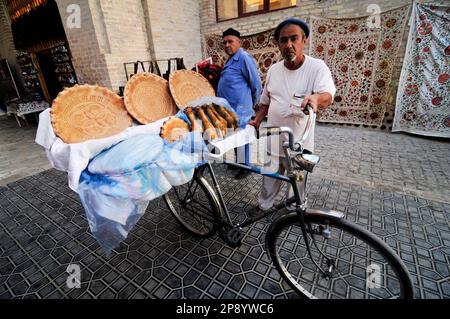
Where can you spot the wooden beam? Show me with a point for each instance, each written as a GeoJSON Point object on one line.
{"type": "Point", "coordinates": [17, 8]}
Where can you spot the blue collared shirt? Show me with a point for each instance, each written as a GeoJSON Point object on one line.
{"type": "Point", "coordinates": [239, 81]}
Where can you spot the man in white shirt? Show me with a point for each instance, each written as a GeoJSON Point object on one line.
{"type": "Point", "coordinates": [296, 75]}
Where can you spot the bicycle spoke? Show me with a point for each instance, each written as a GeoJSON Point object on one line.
{"type": "Point", "coordinates": [194, 206]}
{"type": "Point", "coordinates": [351, 256]}
{"type": "Point", "coordinates": [205, 214]}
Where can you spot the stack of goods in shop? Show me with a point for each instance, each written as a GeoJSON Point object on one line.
{"type": "Point", "coordinates": [63, 66]}
{"type": "Point", "coordinates": [33, 88]}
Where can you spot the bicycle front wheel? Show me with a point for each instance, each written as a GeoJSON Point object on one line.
{"type": "Point", "coordinates": [362, 265]}
{"type": "Point", "coordinates": [195, 206]}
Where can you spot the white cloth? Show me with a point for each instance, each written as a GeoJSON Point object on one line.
{"type": "Point", "coordinates": [74, 158]}
{"type": "Point", "coordinates": [237, 139]}
{"type": "Point", "coordinates": [313, 76]}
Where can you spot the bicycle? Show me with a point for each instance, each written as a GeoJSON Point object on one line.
{"type": "Point", "coordinates": [316, 251]}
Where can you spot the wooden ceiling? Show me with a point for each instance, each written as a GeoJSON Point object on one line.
{"type": "Point", "coordinates": [17, 8]}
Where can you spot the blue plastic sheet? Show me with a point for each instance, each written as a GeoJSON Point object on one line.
{"type": "Point", "coordinates": [118, 184]}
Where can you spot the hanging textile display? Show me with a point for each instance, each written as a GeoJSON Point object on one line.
{"type": "Point", "coordinates": [423, 97]}
{"type": "Point", "coordinates": [361, 54]}
{"type": "Point", "coordinates": [261, 46]}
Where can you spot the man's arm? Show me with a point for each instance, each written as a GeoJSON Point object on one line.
{"type": "Point", "coordinates": [260, 115]}
{"type": "Point", "coordinates": [323, 83]}
{"type": "Point", "coordinates": [318, 100]}
{"type": "Point", "coordinates": [253, 79]}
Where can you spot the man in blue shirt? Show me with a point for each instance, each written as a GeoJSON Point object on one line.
{"type": "Point", "coordinates": [239, 82]}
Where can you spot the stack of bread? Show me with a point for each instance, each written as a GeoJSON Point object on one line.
{"type": "Point", "coordinates": [212, 120]}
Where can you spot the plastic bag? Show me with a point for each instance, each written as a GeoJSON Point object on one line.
{"type": "Point", "coordinates": [127, 155]}
{"type": "Point", "coordinates": [118, 184]}
{"type": "Point", "coordinates": [179, 159]}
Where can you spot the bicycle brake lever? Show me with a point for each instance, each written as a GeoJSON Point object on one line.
{"type": "Point", "coordinates": [297, 147]}
{"type": "Point", "coordinates": [308, 108]}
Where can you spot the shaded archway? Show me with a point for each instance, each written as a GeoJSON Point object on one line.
{"type": "Point", "coordinates": [42, 50]}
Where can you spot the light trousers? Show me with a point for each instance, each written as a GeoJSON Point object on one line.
{"type": "Point", "coordinates": [271, 186]}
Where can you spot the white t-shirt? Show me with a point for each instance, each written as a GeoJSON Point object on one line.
{"type": "Point", "coordinates": [313, 76]}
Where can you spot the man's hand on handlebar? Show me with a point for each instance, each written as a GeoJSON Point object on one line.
{"type": "Point", "coordinates": [311, 100]}
{"type": "Point", "coordinates": [259, 116]}
{"type": "Point", "coordinates": [255, 124]}
{"type": "Point", "coordinates": [322, 100]}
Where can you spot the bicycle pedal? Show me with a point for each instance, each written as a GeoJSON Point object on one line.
{"type": "Point", "coordinates": [327, 276]}
{"type": "Point", "coordinates": [232, 236]}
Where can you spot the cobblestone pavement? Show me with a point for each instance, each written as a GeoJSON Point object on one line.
{"type": "Point", "coordinates": [402, 163]}
{"type": "Point", "coordinates": [43, 229]}
{"type": "Point", "coordinates": [20, 156]}
{"type": "Point", "coordinates": [396, 185]}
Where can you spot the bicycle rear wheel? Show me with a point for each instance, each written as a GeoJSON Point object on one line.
{"type": "Point", "coordinates": [195, 206]}
{"type": "Point", "coordinates": [364, 266]}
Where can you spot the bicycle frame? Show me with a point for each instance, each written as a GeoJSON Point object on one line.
{"type": "Point", "coordinates": [291, 150]}
{"type": "Point", "coordinates": [315, 224]}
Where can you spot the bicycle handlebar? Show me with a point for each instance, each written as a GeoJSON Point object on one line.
{"type": "Point", "coordinates": [311, 121]}
{"type": "Point", "coordinates": [280, 130]}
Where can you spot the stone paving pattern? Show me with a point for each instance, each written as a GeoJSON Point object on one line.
{"type": "Point", "coordinates": [395, 162]}
{"type": "Point", "coordinates": [44, 229]}
{"type": "Point", "coordinates": [20, 156]}
{"type": "Point", "coordinates": [396, 185]}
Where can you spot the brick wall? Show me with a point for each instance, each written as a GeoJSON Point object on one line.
{"type": "Point", "coordinates": [6, 38]}
{"type": "Point", "coordinates": [304, 9]}
{"type": "Point", "coordinates": [126, 36]}
{"type": "Point", "coordinates": [88, 59]}
{"type": "Point", "coordinates": [111, 33]}
{"type": "Point", "coordinates": [175, 29]}
{"type": "Point", "coordinates": [7, 50]}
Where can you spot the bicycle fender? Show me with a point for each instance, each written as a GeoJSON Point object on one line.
{"type": "Point", "coordinates": [325, 212]}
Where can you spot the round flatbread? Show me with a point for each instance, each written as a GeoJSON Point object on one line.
{"type": "Point", "coordinates": [173, 129]}
{"type": "Point", "coordinates": [187, 86]}
{"type": "Point", "coordinates": [85, 112]}
{"type": "Point", "coordinates": [147, 98]}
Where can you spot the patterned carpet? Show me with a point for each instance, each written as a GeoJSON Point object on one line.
{"type": "Point", "coordinates": [361, 56]}
{"type": "Point", "coordinates": [260, 45]}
